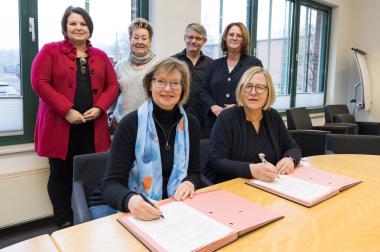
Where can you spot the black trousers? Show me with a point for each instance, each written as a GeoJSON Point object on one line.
{"type": "Point", "coordinates": [81, 141]}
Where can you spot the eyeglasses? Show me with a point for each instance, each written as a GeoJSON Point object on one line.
{"type": "Point", "coordinates": [175, 85]}
{"type": "Point", "coordinates": [190, 38]}
{"type": "Point", "coordinates": [259, 89]}
{"type": "Point", "coordinates": [83, 65]}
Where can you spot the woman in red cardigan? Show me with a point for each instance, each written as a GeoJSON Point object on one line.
{"type": "Point", "coordinates": [76, 84]}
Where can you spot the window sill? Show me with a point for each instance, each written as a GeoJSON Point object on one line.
{"type": "Point", "coordinates": [17, 148]}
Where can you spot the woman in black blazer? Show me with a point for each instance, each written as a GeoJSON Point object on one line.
{"type": "Point", "coordinates": [222, 77]}
{"type": "Point", "coordinates": [251, 127]}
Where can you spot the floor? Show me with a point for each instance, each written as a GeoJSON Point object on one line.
{"type": "Point", "coordinates": [26, 231]}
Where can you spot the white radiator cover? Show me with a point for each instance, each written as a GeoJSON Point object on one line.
{"type": "Point", "coordinates": [23, 183]}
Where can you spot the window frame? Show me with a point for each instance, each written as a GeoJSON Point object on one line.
{"type": "Point", "coordinates": [28, 50]}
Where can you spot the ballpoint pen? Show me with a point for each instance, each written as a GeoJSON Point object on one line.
{"type": "Point", "coordinates": [262, 158]}
{"type": "Point", "coordinates": [147, 200]}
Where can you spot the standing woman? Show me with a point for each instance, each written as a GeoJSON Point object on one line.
{"type": "Point", "coordinates": [76, 84]}
{"type": "Point", "coordinates": [221, 79]}
{"type": "Point", "coordinates": [131, 71]}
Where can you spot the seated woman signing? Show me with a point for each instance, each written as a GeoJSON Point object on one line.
{"type": "Point", "coordinates": [155, 148]}
{"type": "Point", "coordinates": [252, 127]}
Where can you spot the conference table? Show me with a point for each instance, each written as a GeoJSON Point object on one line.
{"type": "Point", "coordinates": [349, 221]}
{"type": "Point", "coordinates": [42, 243]}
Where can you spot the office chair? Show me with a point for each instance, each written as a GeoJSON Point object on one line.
{"type": "Point", "coordinates": [310, 142]}
{"type": "Point", "coordinates": [88, 172]}
{"type": "Point", "coordinates": [339, 113]}
{"type": "Point", "coordinates": [352, 144]}
{"type": "Point", "coordinates": [204, 151]}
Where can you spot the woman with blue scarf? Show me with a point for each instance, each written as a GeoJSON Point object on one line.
{"type": "Point", "coordinates": [155, 148]}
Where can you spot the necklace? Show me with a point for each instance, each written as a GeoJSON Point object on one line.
{"type": "Point", "coordinates": [167, 145]}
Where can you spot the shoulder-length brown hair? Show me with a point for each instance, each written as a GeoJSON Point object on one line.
{"type": "Point", "coordinates": [169, 64]}
{"type": "Point", "coordinates": [246, 38]}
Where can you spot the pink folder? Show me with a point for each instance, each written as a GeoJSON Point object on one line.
{"type": "Point", "coordinates": [227, 208]}
{"type": "Point", "coordinates": [306, 172]}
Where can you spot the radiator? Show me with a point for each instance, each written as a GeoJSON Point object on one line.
{"type": "Point", "coordinates": [23, 193]}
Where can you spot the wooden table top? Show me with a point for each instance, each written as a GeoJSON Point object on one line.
{"type": "Point", "coordinates": [42, 243]}
{"type": "Point", "coordinates": [349, 221]}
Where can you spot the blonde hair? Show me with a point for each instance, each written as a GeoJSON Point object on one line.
{"type": "Point", "coordinates": [140, 23]}
{"type": "Point", "coordinates": [248, 74]}
{"type": "Point", "coordinates": [169, 64]}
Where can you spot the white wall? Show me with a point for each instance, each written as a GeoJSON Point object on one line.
{"type": "Point", "coordinates": [169, 19]}
{"type": "Point", "coordinates": [354, 25]}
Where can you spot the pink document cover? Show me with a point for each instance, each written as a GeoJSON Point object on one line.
{"type": "Point", "coordinates": [308, 173]}
{"type": "Point", "coordinates": [312, 174]}
{"type": "Point", "coordinates": [233, 211]}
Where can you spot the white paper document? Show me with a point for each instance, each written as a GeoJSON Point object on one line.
{"type": "Point", "coordinates": [183, 228]}
{"type": "Point", "coordinates": [297, 188]}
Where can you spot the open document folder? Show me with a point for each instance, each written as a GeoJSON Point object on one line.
{"type": "Point", "coordinates": [207, 222]}
{"type": "Point", "coordinates": [306, 185]}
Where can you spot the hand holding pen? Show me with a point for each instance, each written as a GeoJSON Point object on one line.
{"type": "Point", "coordinates": [262, 158]}
{"type": "Point", "coordinates": [142, 208]}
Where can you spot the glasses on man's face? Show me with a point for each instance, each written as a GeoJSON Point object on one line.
{"type": "Point", "coordinates": [175, 85]}
{"type": "Point", "coordinates": [259, 88]}
{"type": "Point", "coordinates": [83, 65]}
{"type": "Point", "coordinates": [190, 38]}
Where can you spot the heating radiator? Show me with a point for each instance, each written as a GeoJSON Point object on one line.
{"type": "Point", "coordinates": [23, 193]}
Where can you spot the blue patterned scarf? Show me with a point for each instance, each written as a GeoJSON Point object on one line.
{"type": "Point", "coordinates": [146, 172]}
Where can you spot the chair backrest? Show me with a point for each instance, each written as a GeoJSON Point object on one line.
{"type": "Point", "coordinates": [344, 118]}
{"type": "Point", "coordinates": [204, 149]}
{"type": "Point", "coordinates": [353, 144]}
{"type": "Point", "coordinates": [332, 110]}
{"type": "Point", "coordinates": [298, 118]}
{"type": "Point", "coordinates": [90, 168]}
{"type": "Point", "coordinates": [310, 142]}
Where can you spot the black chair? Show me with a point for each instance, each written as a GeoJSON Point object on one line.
{"type": "Point", "coordinates": [339, 113]}
{"type": "Point", "coordinates": [88, 172]}
{"type": "Point", "coordinates": [204, 150]}
{"type": "Point", "coordinates": [311, 142]}
{"type": "Point", "coordinates": [299, 119]}
{"type": "Point", "coordinates": [352, 144]}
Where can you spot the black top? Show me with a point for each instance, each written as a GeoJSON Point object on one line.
{"type": "Point", "coordinates": [234, 144]}
{"type": "Point", "coordinates": [122, 155]}
{"type": "Point", "coordinates": [83, 96]}
{"type": "Point", "coordinates": [197, 71]}
{"type": "Point", "coordinates": [219, 85]}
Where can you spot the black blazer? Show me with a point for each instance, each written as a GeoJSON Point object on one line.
{"type": "Point", "coordinates": [229, 141]}
{"type": "Point", "coordinates": [219, 85]}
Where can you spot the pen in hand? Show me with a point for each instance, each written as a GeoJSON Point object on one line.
{"type": "Point", "coordinates": [262, 158]}
{"type": "Point", "coordinates": [147, 200]}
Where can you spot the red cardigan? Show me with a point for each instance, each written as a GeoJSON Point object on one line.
{"type": "Point", "coordinates": [53, 78]}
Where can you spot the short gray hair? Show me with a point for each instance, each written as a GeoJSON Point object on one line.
{"type": "Point", "coordinates": [198, 28]}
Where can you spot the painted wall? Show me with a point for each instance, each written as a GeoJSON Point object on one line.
{"type": "Point", "coordinates": [353, 26]}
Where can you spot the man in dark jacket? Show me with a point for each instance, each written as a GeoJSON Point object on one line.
{"type": "Point", "coordinates": [195, 38]}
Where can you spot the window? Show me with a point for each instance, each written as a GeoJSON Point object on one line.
{"type": "Point", "coordinates": [29, 28]}
{"type": "Point", "coordinates": [274, 37]}
{"type": "Point", "coordinates": [290, 37]}
{"type": "Point", "coordinates": [311, 57]}
{"type": "Point", "coordinates": [11, 123]}
{"type": "Point", "coordinates": [216, 15]}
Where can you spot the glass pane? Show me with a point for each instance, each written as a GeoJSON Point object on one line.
{"type": "Point", "coordinates": [311, 57]}
{"type": "Point", "coordinates": [274, 24]}
{"type": "Point", "coordinates": [215, 16]}
{"type": "Point", "coordinates": [11, 115]}
{"type": "Point", "coordinates": [111, 20]}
